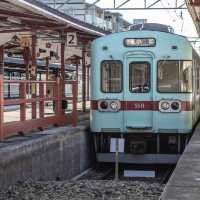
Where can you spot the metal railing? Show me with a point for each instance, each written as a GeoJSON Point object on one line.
{"type": "Point", "coordinates": [33, 96]}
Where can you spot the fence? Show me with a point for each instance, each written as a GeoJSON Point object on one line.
{"type": "Point", "coordinates": [33, 96]}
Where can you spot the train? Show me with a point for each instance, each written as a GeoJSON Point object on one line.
{"type": "Point", "coordinates": [145, 90]}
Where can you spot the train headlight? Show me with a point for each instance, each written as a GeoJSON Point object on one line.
{"type": "Point", "coordinates": [109, 105]}
{"type": "Point", "coordinates": [104, 105]}
{"type": "Point", "coordinates": [170, 106]}
{"type": "Point", "coordinates": [165, 105]}
{"type": "Point", "coordinates": [114, 105]}
{"type": "Point", "coordinates": [175, 105]}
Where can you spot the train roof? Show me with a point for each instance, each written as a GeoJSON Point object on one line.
{"type": "Point", "coordinates": [152, 27]}
{"type": "Point", "coordinates": [141, 33]}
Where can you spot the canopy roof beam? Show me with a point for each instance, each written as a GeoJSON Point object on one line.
{"type": "Point", "coordinates": [153, 4]}
{"type": "Point", "coordinates": [124, 3]}
{"type": "Point", "coordinates": [147, 5]}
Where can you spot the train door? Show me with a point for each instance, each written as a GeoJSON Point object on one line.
{"type": "Point", "coordinates": [138, 97]}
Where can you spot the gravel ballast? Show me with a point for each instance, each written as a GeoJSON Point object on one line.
{"type": "Point", "coordinates": [84, 190]}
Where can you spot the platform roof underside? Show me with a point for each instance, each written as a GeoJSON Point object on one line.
{"type": "Point", "coordinates": [31, 15]}
{"type": "Point", "coordinates": [194, 9]}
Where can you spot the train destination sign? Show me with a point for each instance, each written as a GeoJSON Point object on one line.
{"type": "Point", "coordinates": [140, 42]}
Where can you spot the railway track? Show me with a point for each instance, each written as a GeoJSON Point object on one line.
{"type": "Point", "coordinates": [98, 173]}
{"type": "Point", "coordinates": [163, 173]}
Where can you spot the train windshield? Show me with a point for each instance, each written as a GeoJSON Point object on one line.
{"type": "Point", "coordinates": [111, 76]}
{"type": "Point", "coordinates": [139, 77]}
{"type": "Point", "coordinates": [174, 76]}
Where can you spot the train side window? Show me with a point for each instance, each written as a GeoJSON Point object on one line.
{"type": "Point", "coordinates": [139, 77]}
{"type": "Point", "coordinates": [111, 76]}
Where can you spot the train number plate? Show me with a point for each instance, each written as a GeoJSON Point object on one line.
{"type": "Point", "coordinates": [138, 106]}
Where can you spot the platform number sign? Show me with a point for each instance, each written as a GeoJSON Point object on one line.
{"type": "Point", "coordinates": [71, 39]}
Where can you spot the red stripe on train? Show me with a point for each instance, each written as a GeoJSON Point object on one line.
{"type": "Point", "coordinates": [186, 106]}
{"type": "Point", "coordinates": [94, 105]}
{"type": "Point", "coordinates": [143, 105]}
{"type": "Point", "coordinates": [139, 105]}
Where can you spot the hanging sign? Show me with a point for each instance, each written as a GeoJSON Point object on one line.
{"type": "Point", "coordinates": [72, 39]}
{"type": "Point", "coordinates": [25, 41]}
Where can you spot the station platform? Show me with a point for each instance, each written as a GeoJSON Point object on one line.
{"type": "Point", "coordinates": [58, 153]}
{"type": "Point", "coordinates": [184, 183]}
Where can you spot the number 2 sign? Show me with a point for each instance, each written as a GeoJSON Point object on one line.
{"type": "Point", "coordinates": [71, 39]}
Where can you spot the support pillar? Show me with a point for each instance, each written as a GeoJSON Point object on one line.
{"type": "Point", "coordinates": [34, 75]}
{"type": "Point", "coordinates": [62, 72]}
{"type": "Point", "coordinates": [23, 106]}
{"type": "Point", "coordinates": [26, 57]}
{"type": "Point", "coordinates": [88, 82]}
{"type": "Point", "coordinates": [77, 71]}
{"type": "Point", "coordinates": [47, 68]}
{"type": "Point", "coordinates": [2, 136]}
{"type": "Point", "coordinates": [83, 79]}
{"type": "Point", "coordinates": [47, 86]}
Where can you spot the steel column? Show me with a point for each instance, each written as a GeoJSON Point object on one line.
{"type": "Point", "coordinates": [26, 57]}
{"type": "Point", "coordinates": [23, 105]}
{"type": "Point", "coordinates": [41, 92]}
{"type": "Point", "coordinates": [77, 65]}
{"type": "Point", "coordinates": [47, 68]}
{"type": "Point", "coordinates": [62, 72]}
{"type": "Point", "coordinates": [1, 92]}
{"type": "Point", "coordinates": [74, 111]}
{"type": "Point", "coordinates": [77, 72]}
{"type": "Point", "coordinates": [34, 75]}
{"type": "Point", "coordinates": [88, 82]}
{"type": "Point", "coordinates": [10, 77]}
{"type": "Point", "coordinates": [57, 95]}
{"type": "Point", "coordinates": [83, 79]}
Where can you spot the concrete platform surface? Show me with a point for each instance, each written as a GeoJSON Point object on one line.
{"type": "Point", "coordinates": [57, 153]}
{"type": "Point", "coordinates": [184, 183]}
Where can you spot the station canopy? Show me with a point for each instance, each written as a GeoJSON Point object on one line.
{"type": "Point", "coordinates": [194, 9]}
{"type": "Point", "coordinates": [18, 16]}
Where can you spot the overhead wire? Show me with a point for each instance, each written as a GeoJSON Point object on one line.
{"type": "Point", "coordinates": [167, 11]}
{"type": "Point", "coordinates": [180, 17]}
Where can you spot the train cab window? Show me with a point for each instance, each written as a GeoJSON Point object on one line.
{"type": "Point", "coordinates": [139, 77]}
{"type": "Point", "coordinates": [111, 76]}
{"type": "Point", "coordinates": [174, 76]}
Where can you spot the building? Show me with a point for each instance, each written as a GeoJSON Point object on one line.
{"type": "Point", "coordinates": [139, 21]}
{"type": "Point", "coordinates": [91, 14]}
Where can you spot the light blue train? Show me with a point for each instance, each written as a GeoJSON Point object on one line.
{"type": "Point", "coordinates": [145, 88]}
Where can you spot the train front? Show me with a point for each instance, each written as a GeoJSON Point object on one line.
{"type": "Point", "coordinates": [142, 93]}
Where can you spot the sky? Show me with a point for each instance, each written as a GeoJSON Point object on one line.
{"type": "Point", "coordinates": [183, 26]}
